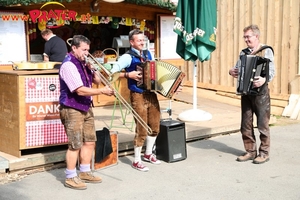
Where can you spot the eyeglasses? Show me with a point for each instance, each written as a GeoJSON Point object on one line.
{"type": "Point", "coordinates": [247, 36]}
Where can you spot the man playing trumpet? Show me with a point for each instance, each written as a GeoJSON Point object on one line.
{"type": "Point", "coordinates": [76, 114]}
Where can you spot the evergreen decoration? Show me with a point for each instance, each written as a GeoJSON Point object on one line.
{"type": "Point", "coordinates": [27, 2]}
{"type": "Point", "coordinates": [160, 3]}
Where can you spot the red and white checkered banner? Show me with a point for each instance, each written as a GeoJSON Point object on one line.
{"type": "Point", "coordinates": [43, 125]}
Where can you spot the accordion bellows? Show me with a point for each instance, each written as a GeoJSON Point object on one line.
{"type": "Point", "coordinates": [161, 77]}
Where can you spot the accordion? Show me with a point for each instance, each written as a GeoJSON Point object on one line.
{"type": "Point", "coordinates": [251, 66]}
{"type": "Point", "coordinates": [161, 77]}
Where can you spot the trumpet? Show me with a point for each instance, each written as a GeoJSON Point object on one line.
{"type": "Point", "coordinates": [107, 79]}
{"type": "Point", "coordinates": [96, 65]}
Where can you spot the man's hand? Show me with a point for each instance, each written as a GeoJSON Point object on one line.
{"type": "Point", "coordinates": [136, 75]}
{"type": "Point", "coordinates": [258, 81]}
{"type": "Point", "coordinates": [107, 91]}
{"type": "Point", "coordinates": [46, 57]}
{"type": "Point", "coordinates": [234, 72]}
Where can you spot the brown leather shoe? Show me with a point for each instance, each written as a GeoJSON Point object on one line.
{"type": "Point", "coordinates": [261, 159]}
{"type": "Point", "coordinates": [246, 156]}
{"type": "Point", "coordinates": [89, 177]}
{"type": "Point", "coordinates": [75, 183]}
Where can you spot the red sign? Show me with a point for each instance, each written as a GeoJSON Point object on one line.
{"type": "Point", "coordinates": [55, 15]}
{"type": "Point", "coordinates": [42, 111]}
{"type": "Point", "coordinates": [49, 18]}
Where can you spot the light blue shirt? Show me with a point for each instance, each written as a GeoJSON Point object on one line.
{"type": "Point", "coordinates": [123, 62]}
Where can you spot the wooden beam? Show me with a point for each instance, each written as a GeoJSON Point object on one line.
{"type": "Point", "coordinates": [37, 160]}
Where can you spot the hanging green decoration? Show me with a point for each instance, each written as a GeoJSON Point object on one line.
{"type": "Point", "coordinates": [160, 3]}
{"type": "Point", "coordinates": [27, 2]}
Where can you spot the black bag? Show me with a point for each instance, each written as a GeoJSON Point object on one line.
{"type": "Point", "coordinates": [103, 145]}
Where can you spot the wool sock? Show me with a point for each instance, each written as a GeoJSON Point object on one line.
{"type": "Point", "coordinates": [71, 173]}
{"type": "Point", "coordinates": [137, 154]}
{"type": "Point", "coordinates": [149, 145]}
{"type": "Point", "coordinates": [85, 167]}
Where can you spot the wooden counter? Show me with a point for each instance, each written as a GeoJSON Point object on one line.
{"type": "Point", "coordinates": [29, 110]}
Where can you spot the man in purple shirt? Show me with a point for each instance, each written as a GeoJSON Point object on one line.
{"type": "Point", "coordinates": [76, 78]}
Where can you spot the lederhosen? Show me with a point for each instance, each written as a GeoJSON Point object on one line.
{"type": "Point", "coordinates": [145, 104]}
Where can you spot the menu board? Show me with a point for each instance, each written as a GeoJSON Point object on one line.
{"type": "Point", "coordinates": [12, 38]}
{"type": "Point", "coordinates": [168, 38]}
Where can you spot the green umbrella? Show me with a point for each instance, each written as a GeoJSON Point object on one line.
{"type": "Point", "coordinates": [195, 24]}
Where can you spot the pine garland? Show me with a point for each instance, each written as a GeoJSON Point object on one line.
{"type": "Point", "coordinates": [160, 3]}
{"type": "Point", "coordinates": [26, 2]}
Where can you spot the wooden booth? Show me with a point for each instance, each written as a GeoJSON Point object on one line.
{"type": "Point", "coordinates": [29, 108]}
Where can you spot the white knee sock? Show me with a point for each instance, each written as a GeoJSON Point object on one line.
{"type": "Point", "coordinates": [137, 154]}
{"type": "Point", "coordinates": [71, 173]}
{"type": "Point", "coordinates": [150, 143]}
{"type": "Point", "coordinates": [85, 168]}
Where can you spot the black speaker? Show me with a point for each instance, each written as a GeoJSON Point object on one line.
{"type": "Point", "coordinates": [171, 141]}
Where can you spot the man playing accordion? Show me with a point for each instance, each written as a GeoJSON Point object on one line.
{"type": "Point", "coordinates": [144, 102]}
{"type": "Point", "coordinates": [258, 104]}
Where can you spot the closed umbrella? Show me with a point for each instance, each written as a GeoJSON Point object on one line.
{"type": "Point", "coordinates": [195, 24]}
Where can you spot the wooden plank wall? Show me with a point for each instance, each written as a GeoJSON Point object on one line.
{"type": "Point", "coordinates": [279, 25]}
{"type": "Point", "coordinates": [278, 21]}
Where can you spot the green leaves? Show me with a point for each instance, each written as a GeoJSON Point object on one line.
{"type": "Point", "coordinates": [160, 3]}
